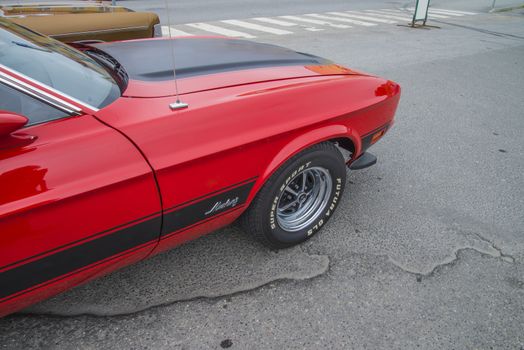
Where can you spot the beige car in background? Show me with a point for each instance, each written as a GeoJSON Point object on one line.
{"type": "Point", "coordinates": [79, 21]}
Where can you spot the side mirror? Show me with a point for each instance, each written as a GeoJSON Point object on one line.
{"type": "Point", "coordinates": [11, 122]}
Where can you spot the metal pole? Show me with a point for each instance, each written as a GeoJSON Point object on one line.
{"type": "Point", "coordinates": [493, 4]}
{"type": "Point", "coordinates": [113, 2]}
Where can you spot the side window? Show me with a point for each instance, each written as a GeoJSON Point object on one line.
{"type": "Point", "coordinates": [35, 110]}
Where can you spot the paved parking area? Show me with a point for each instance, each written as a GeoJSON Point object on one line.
{"type": "Point", "coordinates": [425, 251]}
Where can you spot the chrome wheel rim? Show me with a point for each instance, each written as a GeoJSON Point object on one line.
{"type": "Point", "coordinates": [304, 198]}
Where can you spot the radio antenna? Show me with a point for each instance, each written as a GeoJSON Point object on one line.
{"type": "Point", "coordinates": [178, 104]}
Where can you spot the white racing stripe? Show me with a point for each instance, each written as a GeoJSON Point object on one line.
{"type": "Point", "coordinates": [219, 30]}
{"type": "Point", "coordinates": [257, 27]}
{"type": "Point", "coordinates": [174, 31]}
{"type": "Point", "coordinates": [367, 18]}
{"type": "Point", "coordinates": [275, 21]}
{"type": "Point", "coordinates": [388, 15]}
{"type": "Point", "coordinates": [316, 21]}
{"type": "Point", "coordinates": [341, 19]}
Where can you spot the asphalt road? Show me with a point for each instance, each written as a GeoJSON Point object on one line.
{"type": "Point", "coordinates": [184, 11]}
{"type": "Point", "coordinates": [425, 251]}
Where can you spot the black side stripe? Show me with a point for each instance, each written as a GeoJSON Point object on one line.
{"type": "Point", "coordinates": [79, 240]}
{"type": "Point", "coordinates": [65, 261]}
{"type": "Point", "coordinates": [26, 277]}
{"type": "Point", "coordinates": [69, 274]}
{"type": "Point", "coordinates": [222, 190]}
{"type": "Point", "coordinates": [203, 209]}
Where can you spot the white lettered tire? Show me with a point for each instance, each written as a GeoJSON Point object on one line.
{"type": "Point", "coordinates": [299, 198]}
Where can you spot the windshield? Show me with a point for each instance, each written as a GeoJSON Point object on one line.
{"type": "Point", "coordinates": [56, 65]}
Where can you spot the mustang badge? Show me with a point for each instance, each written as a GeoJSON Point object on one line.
{"type": "Point", "coordinates": [230, 203]}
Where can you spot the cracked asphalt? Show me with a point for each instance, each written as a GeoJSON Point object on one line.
{"type": "Point", "coordinates": [425, 251]}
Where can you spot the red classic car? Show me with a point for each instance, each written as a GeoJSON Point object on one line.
{"type": "Point", "coordinates": [101, 167]}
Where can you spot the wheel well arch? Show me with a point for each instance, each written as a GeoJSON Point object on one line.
{"type": "Point", "coordinates": [343, 137]}
{"type": "Point", "coordinates": [346, 144]}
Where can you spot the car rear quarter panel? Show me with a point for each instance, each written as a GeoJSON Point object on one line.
{"type": "Point", "coordinates": [229, 135]}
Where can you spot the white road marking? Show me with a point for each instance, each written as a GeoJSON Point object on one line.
{"type": "Point", "coordinates": [316, 21]}
{"type": "Point", "coordinates": [313, 29]}
{"type": "Point", "coordinates": [453, 11]}
{"type": "Point", "coordinates": [309, 21]}
{"type": "Point", "coordinates": [174, 31]}
{"type": "Point", "coordinates": [219, 30]}
{"type": "Point", "coordinates": [436, 16]}
{"type": "Point", "coordinates": [275, 21]}
{"type": "Point", "coordinates": [341, 19]}
{"type": "Point", "coordinates": [367, 18]}
{"type": "Point", "coordinates": [394, 12]}
{"type": "Point", "coordinates": [445, 13]}
{"type": "Point", "coordinates": [257, 27]}
{"type": "Point", "coordinates": [388, 15]}
{"type": "Point", "coordinates": [286, 24]}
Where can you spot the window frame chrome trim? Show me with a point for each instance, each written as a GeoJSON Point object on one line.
{"type": "Point", "coordinates": [55, 103]}
{"type": "Point", "coordinates": [47, 95]}
{"type": "Point", "coordinates": [118, 30]}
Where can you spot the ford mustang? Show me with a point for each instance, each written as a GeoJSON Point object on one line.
{"type": "Point", "coordinates": [106, 159]}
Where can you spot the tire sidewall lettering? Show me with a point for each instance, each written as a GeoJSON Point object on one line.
{"type": "Point", "coordinates": [337, 188]}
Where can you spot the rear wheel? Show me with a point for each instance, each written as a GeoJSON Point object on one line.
{"type": "Point", "coordinates": [299, 198]}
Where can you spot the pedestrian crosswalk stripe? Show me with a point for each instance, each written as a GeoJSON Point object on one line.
{"type": "Point", "coordinates": [367, 18]}
{"type": "Point", "coordinates": [430, 14]}
{"type": "Point", "coordinates": [286, 23]}
{"type": "Point", "coordinates": [313, 29]}
{"type": "Point", "coordinates": [256, 27]}
{"type": "Point", "coordinates": [306, 22]}
{"type": "Point", "coordinates": [393, 13]}
{"type": "Point", "coordinates": [316, 21]}
{"type": "Point", "coordinates": [453, 11]}
{"type": "Point", "coordinates": [174, 31]}
{"type": "Point", "coordinates": [275, 21]}
{"type": "Point", "coordinates": [433, 15]}
{"type": "Point", "coordinates": [388, 15]}
{"type": "Point", "coordinates": [341, 19]}
{"type": "Point", "coordinates": [219, 30]}
{"type": "Point", "coordinates": [446, 13]}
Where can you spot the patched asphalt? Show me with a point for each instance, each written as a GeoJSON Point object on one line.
{"type": "Point", "coordinates": [224, 263]}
